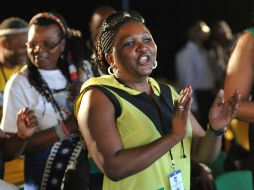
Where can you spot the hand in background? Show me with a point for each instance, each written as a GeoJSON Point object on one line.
{"type": "Point", "coordinates": [221, 113]}
{"type": "Point", "coordinates": [26, 123]}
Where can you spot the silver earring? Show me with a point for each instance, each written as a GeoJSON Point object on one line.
{"type": "Point", "coordinates": [62, 56]}
{"type": "Point", "coordinates": [110, 71]}
{"type": "Point", "coordinates": [155, 65]}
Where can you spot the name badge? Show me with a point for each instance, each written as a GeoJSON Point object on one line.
{"type": "Point", "coordinates": [176, 180]}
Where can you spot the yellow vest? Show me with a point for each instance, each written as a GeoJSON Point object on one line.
{"type": "Point", "coordinates": [136, 129]}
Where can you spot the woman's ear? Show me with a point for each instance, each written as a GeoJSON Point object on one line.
{"type": "Point", "coordinates": [109, 58]}
{"type": "Point", "coordinates": [4, 43]}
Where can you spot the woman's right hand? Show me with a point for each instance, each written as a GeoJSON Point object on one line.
{"type": "Point", "coordinates": [181, 113]}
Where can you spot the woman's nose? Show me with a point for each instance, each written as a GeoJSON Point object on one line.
{"type": "Point", "coordinates": [142, 46]}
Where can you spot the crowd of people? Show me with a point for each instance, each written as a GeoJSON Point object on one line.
{"type": "Point", "coordinates": [95, 101]}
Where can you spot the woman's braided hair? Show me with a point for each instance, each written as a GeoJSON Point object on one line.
{"type": "Point", "coordinates": [109, 28]}
{"type": "Point", "coordinates": [34, 76]}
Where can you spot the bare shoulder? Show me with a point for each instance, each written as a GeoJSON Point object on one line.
{"type": "Point", "coordinates": [246, 40]}
{"type": "Point", "coordinates": [94, 97]}
{"type": "Point", "coordinates": [95, 104]}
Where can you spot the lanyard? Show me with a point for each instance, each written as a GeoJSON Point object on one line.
{"type": "Point", "coordinates": [171, 155]}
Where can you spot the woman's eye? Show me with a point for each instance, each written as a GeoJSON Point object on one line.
{"type": "Point", "coordinates": [148, 40]}
{"type": "Point", "coordinates": [128, 44]}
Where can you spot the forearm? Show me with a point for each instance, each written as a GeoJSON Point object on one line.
{"type": "Point", "coordinates": [127, 162]}
{"type": "Point", "coordinates": [12, 147]}
{"type": "Point", "coordinates": [205, 149]}
{"type": "Point", "coordinates": [245, 112]}
{"type": "Point", "coordinates": [41, 140]}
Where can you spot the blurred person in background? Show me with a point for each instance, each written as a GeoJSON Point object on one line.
{"type": "Point", "coordinates": [47, 85]}
{"type": "Point", "coordinates": [240, 75]}
{"type": "Point", "coordinates": [193, 67]}
{"type": "Point", "coordinates": [11, 147]}
{"type": "Point", "coordinates": [97, 18]}
{"type": "Point", "coordinates": [13, 37]}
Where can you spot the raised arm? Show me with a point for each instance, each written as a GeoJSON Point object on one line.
{"type": "Point", "coordinates": [240, 75]}
{"type": "Point", "coordinates": [14, 145]}
{"type": "Point", "coordinates": [206, 146]}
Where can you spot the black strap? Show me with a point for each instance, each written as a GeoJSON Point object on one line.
{"type": "Point", "coordinates": [140, 101]}
{"type": "Point", "coordinates": [167, 96]}
{"type": "Point", "coordinates": [112, 98]}
{"type": "Point", "coordinates": [160, 118]}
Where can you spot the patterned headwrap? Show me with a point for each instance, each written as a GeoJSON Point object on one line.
{"type": "Point", "coordinates": [51, 16]}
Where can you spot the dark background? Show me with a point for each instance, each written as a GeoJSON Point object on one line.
{"type": "Point", "coordinates": [167, 19]}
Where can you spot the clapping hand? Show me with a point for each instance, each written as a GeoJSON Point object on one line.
{"type": "Point", "coordinates": [26, 123]}
{"type": "Point", "coordinates": [181, 112]}
{"type": "Point", "coordinates": [221, 113]}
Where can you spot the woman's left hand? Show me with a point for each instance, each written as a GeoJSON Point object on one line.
{"type": "Point", "coordinates": [221, 113]}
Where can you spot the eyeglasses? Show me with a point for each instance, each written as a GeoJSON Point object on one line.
{"type": "Point", "coordinates": [48, 46]}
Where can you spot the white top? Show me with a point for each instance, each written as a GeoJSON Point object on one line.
{"type": "Point", "coordinates": [19, 94]}
{"type": "Point", "coordinates": [193, 67]}
{"type": "Point", "coordinates": [7, 186]}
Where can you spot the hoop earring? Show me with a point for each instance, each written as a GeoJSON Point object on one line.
{"type": "Point", "coordinates": [155, 65]}
{"type": "Point", "coordinates": [62, 56]}
{"type": "Point", "coordinates": [110, 71]}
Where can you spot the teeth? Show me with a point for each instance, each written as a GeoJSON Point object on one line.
{"type": "Point", "coordinates": [144, 58]}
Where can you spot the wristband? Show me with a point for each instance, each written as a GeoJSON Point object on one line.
{"type": "Point", "coordinates": [215, 132]}
{"type": "Point", "coordinates": [59, 131]}
{"type": "Point", "coordinates": [62, 131]}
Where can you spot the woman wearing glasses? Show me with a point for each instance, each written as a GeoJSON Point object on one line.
{"type": "Point", "coordinates": [46, 85]}
{"type": "Point", "coordinates": [134, 133]}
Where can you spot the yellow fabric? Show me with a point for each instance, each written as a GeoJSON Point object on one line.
{"type": "Point", "coordinates": [239, 131]}
{"type": "Point", "coordinates": [136, 129]}
{"type": "Point", "coordinates": [8, 72]}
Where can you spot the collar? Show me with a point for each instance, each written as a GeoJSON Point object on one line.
{"type": "Point", "coordinates": [109, 80]}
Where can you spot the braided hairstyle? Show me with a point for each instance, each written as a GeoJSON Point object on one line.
{"type": "Point", "coordinates": [109, 29]}
{"type": "Point", "coordinates": [34, 76]}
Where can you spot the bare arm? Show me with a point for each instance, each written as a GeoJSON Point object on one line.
{"type": "Point", "coordinates": [240, 75]}
{"type": "Point", "coordinates": [14, 145]}
{"type": "Point", "coordinates": [49, 136]}
{"type": "Point", "coordinates": [96, 120]}
{"type": "Point", "coordinates": [206, 146]}
{"type": "Point", "coordinates": [43, 139]}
